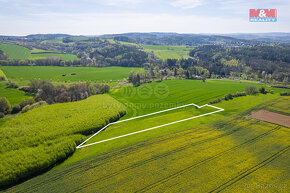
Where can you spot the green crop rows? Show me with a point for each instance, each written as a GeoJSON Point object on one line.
{"type": "Point", "coordinates": [233, 154]}
{"type": "Point", "coordinates": [171, 93]}
{"type": "Point", "coordinates": [38, 139]}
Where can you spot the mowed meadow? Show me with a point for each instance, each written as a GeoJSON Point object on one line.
{"type": "Point", "coordinates": [23, 74]}
{"type": "Point", "coordinates": [233, 154]}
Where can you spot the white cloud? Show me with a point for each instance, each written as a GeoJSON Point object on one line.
{"type": "Point", "coordinates": [94, 24]}
{"type": "Point", "coordinates": [121, 2]}
{"type": "Point", "coordinates": [115, 2]}
{"type": "Point", "coordinates": [187, 4]}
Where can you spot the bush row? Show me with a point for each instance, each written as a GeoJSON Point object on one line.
{"type": "Point", "coordinates": [250, 90]}
{"type": "Point", "coordinates": [6, 108]}
{"type": "Point", "coordinates": [281, 86]}
{"type": "Point", "coordinates": [46, 91]}
{"type": "Point", "coordinates": [285, 93]}
{"type": "Point", "coordinates": [228, 97]}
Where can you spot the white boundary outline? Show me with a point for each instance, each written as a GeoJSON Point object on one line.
{"type": "Point", "coordinates": [192, 104]}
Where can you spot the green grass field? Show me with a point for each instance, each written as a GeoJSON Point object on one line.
{"type": "Point", "coordinates": [59, 56]}
{"type": "Point", "coordinates": [168, 52]}
{"type": "Point", "coordinates": [280, 107]}
{"type": "Point", "coordinates": [57, 40]}
{"type": "Point", "coordinates": [149, 122]}
{"type": "Point", "coordinates": [231, 154]}
{"type": "Point", "coordinates": [36, 50]}
{"type": "Point", "coordinates": [171, 93]}
{"type": "Point", "coordinates": [81, 38]}
{"type": "Point", "coordinates": [20, 52]}
{"type": "Point", "coordinates": [14, 96]}
{"type": "Point", "coordinates": [22, 74]}
{"type": "Point", "coordinates": [164, 52]}
{"type": "Point", "coordinates": [38, 139]}
{"type": "Point", "coordinates": [15, 51]}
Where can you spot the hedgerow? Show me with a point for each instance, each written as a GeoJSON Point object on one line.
{"type": "Point", "coordinates": [228, 97]}
{"type": "Point", "coordinates": [41, 137]}
{"type": "Point", "coordinates": [33, 106]}
{"type": "Point", "coordinates": [285, 93]}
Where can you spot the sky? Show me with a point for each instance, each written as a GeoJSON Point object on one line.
{"type": "Point", "coordinates": [96, 17]}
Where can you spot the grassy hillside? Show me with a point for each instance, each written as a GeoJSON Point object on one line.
{"type": "Point", "coordinates": [22, 74]}
{"type": "Point", "coordinates": [14, 96]}
{"type": "Point", "coordinates": [234, 154]}
{"type": "Point", "coordinates": [20, 52]}
{"type": "Point", "coordinates": [15, 51]}
{"type": "Point", "coordinates": [38, 139]}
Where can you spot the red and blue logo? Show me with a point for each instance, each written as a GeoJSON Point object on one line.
{"type": "Point", "coordinates": [263, 15]}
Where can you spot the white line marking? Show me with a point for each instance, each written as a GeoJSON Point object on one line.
{"type": "Point", "coordinates": [81, 145]}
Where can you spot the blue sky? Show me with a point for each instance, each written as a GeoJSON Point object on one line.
{"type": "Point", "coordinates": [94, 17]}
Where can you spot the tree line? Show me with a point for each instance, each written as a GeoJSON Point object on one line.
{"type": "Point", "coordinates": [47, 93]}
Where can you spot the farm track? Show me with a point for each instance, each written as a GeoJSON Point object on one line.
{"type": "Point", "coordinates": [175, 151]}
{"type": "Point", "coordinates": [251, 170]}
{"type": "Point", "coordinates": [205, 161]}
